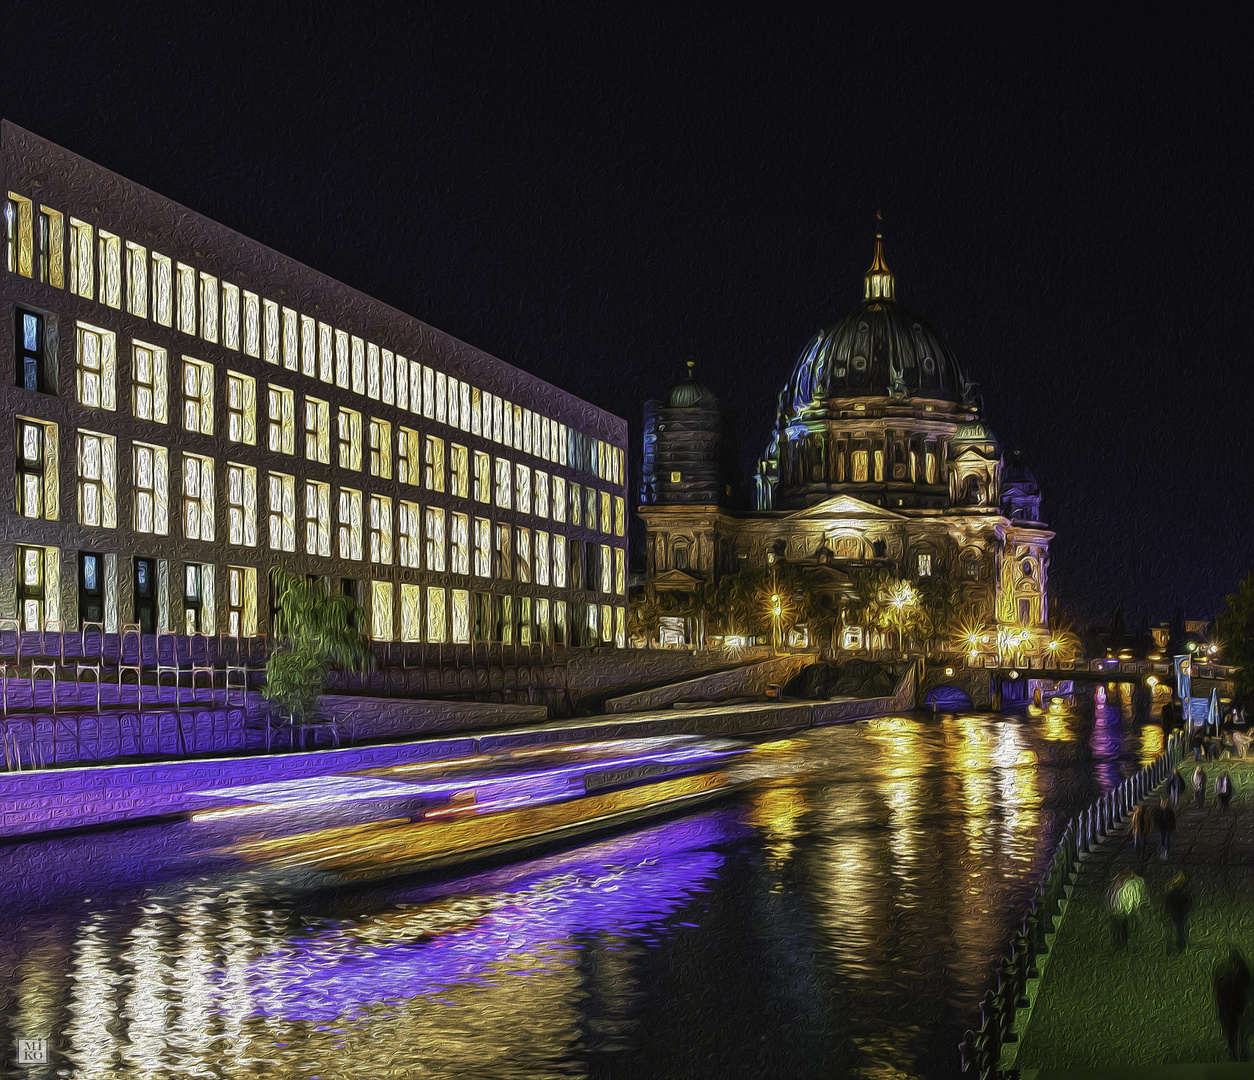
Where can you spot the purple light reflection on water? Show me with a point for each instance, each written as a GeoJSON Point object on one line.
{"type": "Point", "coordinates": [626, 885]}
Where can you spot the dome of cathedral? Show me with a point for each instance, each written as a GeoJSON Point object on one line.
{"type": "Point", "coordinates": [880, 349]}
{"type": "Point", "coordinates": [690, 392]}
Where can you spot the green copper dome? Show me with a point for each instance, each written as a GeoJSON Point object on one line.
{"type": "Point", "coordinates": [690, 392]}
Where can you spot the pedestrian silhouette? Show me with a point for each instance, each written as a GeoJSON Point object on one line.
{"type": "Point", "coordinates": [1175, 787]}
{"type": "Point", "coordinates": [1142, 822]}
{"type": "Point", "coordinates": [1166, 822]}
{"type": "Point", "coordinates": [1199, 786]}
{"type": "Point", "coordinates": [1223, 790]}
{"type": "Point", "coordinates": [1179, 903]}
{"type": "Point", "coordinates": [1231, 982]}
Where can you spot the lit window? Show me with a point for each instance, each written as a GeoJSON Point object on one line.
{"type": "Point", "coordinates": [459, 470]}
{"type": "Point", "coordinates": [503, 552]}
{"type": "Point", "coordinates": [459, 544]}
{"type": "Point", "coordinates": [152, 489]}
{"type": "Point", "coordinates": [197, 396]}
{"type": "Point", "coordinates": [559, 560]}
{"type": "Point", "coordinates": [442, 399]}
{"type": "Point", "coordinates": [51, 248]}
{"type": "Point", "coordinates": [317, 431]}
{"type": "Point", "coordinates": [542, 494]}
{"type": "Point", "coordinates": [348, 438]}
{"type": "Point", "coordinates": [241, 408]}
{"type": "Point", "coordinates": [350, 524]}
{"type": "Point", "coordinates": [19, 225]}
{"type": "Point", "coordinates": [483, 547]}
{"type": "Point", "coordinates": [607, 569]}
{"type": "Point", "coordinates": [435, 538]}
{"type": "Point", "coordinates": [427, 376]}
{"type": "Point", "coordinates": [292, 352]}
{"type": "Point", "coordinates": [209, 308]}
{"type": "Point", "coordinates": [576, 504]}
{"type": "Point", "coordinates": [496, 418]}
{"type": "Point", "coordinates": [381, 610]}
{"type": "Point", "coordinates": [198, 600]}
{"type": "Point", "coordinates": [476, 409]}
{"type": "Point", "coordinates": [483, 477]}
{"type": "Point", "coordinates": [96, 367]}
{"type": "Point", "coordinates": [590, 507]}
{"type": "Point", "coordinates": [326, 353]}
{"type": "Point", "coordinates": [341, 360]}
{"type": "Point", "coordinates": [542, 558]}
{"type": "Point", "coordinates": [37, 494]}
{"type": "Point", "coordinates": [466, 409]}
{"type": "Point", "coordinates": [620, 516]}
{"type": "Point", "coordinates": [859, 458]}
{"type": "Point", "coordinates": [437, 616]}
{"type": "Point", "coordinates": [559, 498]}
{"type": "Point", "coordinates": [317, 518]}
{"type": "Point", "coordinates": [97, 480]}
{"type": "Point", "coordinates": [522, 549]}
{"type": "Point", "coordinates": [35, 603]}
{"type": "Point", "coordinates": [282, 512]}
{"type": "Point", "coordinates": [402, 383]}
{"type": "Point", "coordinates": [82, 271]}
{"type": "Point", "coordinates": [280, 410]}
{"type": "Point", "coordinates": [148, 382]}
{"type": "Point", "coordinates": [380, 449]}
{"type": "Point", "coordinates": [230, 315]}
{"type": "Point", "coordinates": [241, 494]}
{"type": "Point", "coordinates": [162, 290]}
{"type": "Point", "coordinates": [30, 351]}
{"type": "Point", "coordinates": [925, 566]}
{"type": "Point", "coordinates": [359, 366]}
{"type": "Point", "coordinates": [620, 571]}
{"type": "Point", "coordinates": [241, 601]}
{"type": "Point", "coordinates": [409, 528]}
{"type": "Point", "coordinates": [433, 460]}
{"type": "Point", "coordinates": [879, 466]}
{"type": "Point", "coordinates": [606, 520]}
{"type": "Point", "coordinates": [461, 615]}
{"type": "Point", "coordinates": [308, 347]}
{"type": "Point", "coordinates": [504, 492]}
{"type": "Point", "coordinates": [252, 312]}
{"type": "Point", "coordinates": [408, 456]}
{"type": "Point", "coordinates": [136, 280]}
{"type": "Point", "coordinates": [197, 497]}
{"type": "Point", "coordinates": [380, 529]}
{"type": "Point", "coordinates": [185, 279]}
{"type": "Point", "coordinates": [526, 428]}
{"type": "Point", "coordinates": [522, 488]}
{"type": "Point", "coordinates": [411, 612]}
{"type": "Point", "coordinates": [273, 343]}
{"type": "Point", "coordinates": [372, 372]}
{"type": "Point", "coordinates": [387, 376]}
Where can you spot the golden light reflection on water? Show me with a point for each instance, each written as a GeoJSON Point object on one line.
{"type": "Point", "coordinates": [893, 856]}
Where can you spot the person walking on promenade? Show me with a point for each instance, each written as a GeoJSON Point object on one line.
{"type": "Point", "coordinates": [1140, 826]}
{"type": "Point", "coordinates": [1165, 819]}
{"type": "Point", "coordinates": [1231, 982]}
{"type": "Point", "coordinates": [1127, 895]}
{"type": "Point", "coordinates": [1223, 790]}
{"type": "Point", "coordinates": [1175, 787]}
{"type": "Point", "coordinates": [1199, 786]}
{"type": "Point", "coordinates": [1195, 741]}
{"type": "Point", "coordinates": [1179, 904]}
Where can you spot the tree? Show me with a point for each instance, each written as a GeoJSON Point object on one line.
{"type": "Point", "coordinates": [1235, 627]}
{"type": "Point", "coordinates": [314, 632]}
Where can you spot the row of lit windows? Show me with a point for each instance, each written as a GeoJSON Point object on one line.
{"type": "Point", "coordinates": [430, 613]}
{"type": "Point", "coordinates": [421, 460]}
{"type": "Point", "coordinates": [429, 537]}
{"type": "Point", "coordinates": [173, 294]}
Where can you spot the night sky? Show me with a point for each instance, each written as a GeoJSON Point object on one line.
{"type": "Point", "coordinates": [598, 193]}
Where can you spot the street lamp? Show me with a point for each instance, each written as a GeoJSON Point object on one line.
{"type": "Point", "coordinates": [901, 597]}
{"type": "Point", "coordinates": [777, 611]}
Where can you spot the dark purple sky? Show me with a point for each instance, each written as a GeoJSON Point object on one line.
{"type": "Point", "coordinates": [598, 194]}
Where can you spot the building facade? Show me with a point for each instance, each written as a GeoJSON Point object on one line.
{"type": "Point", "coordinates": [188, 409]}
{"type": "Point", "coordinates": [879, 457]}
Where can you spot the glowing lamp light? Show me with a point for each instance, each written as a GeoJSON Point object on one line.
{"type": "Point", "coordinates": [776, 607]}
{"type": "Point", "coordinates": [985, 639]}
{"type": "Point", "coordinates": [1192, 646]}
{"type": "Point", "coordinates": [1053, 645]}
{"type": "Point", "coordinates": [949, 672]}
{"type": "Point", "coordinates": [1151, 680]}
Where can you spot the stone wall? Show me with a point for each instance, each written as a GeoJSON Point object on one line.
{"type": "Point", "coordinates": [748, 680]}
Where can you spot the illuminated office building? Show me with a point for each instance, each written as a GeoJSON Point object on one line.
{"type": "Point", "coordinates": [189, 408]}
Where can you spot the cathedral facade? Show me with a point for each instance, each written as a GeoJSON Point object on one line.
{"type": "Point", "coordinates": [879, 458]}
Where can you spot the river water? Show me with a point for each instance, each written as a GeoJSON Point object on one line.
{"type": "Point", "coordinates": [840, 917]}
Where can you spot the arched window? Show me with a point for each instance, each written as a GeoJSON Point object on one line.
{"type": "Point", "coordinates": [680, 557]}
{"type": "Point", "coordinates": [879, 548]}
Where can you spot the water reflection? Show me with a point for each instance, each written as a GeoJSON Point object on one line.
{"type": "Point", "coordinates": [841, 918]}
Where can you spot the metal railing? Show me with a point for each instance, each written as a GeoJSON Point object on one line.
{"type": "Point", "coordinates": [980, 1051]}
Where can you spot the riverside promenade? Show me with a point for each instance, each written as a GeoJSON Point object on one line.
{"type": "Point", "coordinates": [1103, 1011]}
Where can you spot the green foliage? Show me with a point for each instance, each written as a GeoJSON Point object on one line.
{"type": "Point", "coordinates": [922, 613]}
{"type": "Point", "coordinates": [314, 633]}
{"type": "Point", "coordinates": [1235, 627]}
